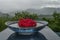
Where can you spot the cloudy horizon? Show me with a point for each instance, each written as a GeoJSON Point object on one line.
{"type": "Point", "coordinates": [11, 5]}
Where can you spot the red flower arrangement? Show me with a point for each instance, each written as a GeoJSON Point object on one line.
{"type": "Point", "coordinates": [26, 23]}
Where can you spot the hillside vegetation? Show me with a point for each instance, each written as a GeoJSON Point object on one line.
{"type": "Point", "coordinates": [54, 23]}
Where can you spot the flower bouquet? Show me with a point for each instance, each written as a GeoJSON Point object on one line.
{"type": "Point", "coordinates": [26, 26]}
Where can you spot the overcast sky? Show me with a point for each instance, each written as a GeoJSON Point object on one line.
{"type": "Point", "coordinates": [9, 5]}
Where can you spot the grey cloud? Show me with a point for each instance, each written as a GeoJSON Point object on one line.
{"type": "Point", "coordinates": [9, 5]}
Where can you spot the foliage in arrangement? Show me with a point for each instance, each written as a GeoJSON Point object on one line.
{"type": "Point", "coordinates": [17, 16]}
{"type": "Point", "coordinates": [54, 23]}
{"type": "Point", "coordinates": [24, 14]}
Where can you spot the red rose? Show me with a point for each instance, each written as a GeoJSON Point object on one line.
{"type": "Point", "coordinates": [26, 23]}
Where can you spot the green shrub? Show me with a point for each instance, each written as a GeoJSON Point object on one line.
{"type": "Point", "coordinates": [24, 14]}
{"type": "Point", "coordinates": [2, 23]}
{"type": "Point", "coordinates": [54, 23]}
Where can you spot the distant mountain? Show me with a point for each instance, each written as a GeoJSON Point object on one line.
{"type": "Point", "coordinates": [41, 11]}
{"type": "Point", "coordinates": [4, 15]}
{"type": "Point", "coordinates": [44, 11]}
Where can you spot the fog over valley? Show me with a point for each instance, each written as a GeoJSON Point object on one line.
{"type": "Point", "coordinates": [44, 7]}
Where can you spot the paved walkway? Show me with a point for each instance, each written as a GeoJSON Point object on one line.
{"type": "Point", "coordinates": [47, 32]}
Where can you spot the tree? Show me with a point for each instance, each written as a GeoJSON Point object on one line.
{"type": "Point", "coordinates": [54, 23]}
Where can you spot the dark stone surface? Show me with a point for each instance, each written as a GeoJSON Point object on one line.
{"type": "Point", "coordinates": [58, 33]}
{"type": "Point", "coordinates": [36, 36]}
{"type": "Point", "coordinates": [46, 32]}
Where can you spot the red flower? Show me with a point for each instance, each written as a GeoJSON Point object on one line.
{"type": "Point", "coordinates": [26, 23]}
